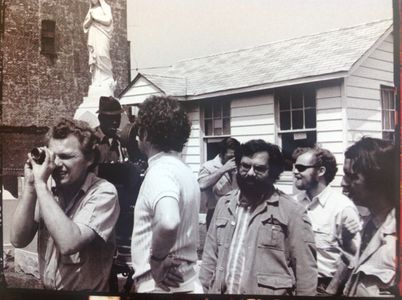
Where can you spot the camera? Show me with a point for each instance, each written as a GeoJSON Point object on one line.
{"type": "Point", "coordinates": [38, 155]}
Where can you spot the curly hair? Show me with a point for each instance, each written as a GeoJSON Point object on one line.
{"type": "Point", "coordinates": [276, 162]}
{"type": "Point", "coordinates": [323, 157]}
{"type": "Point", "coordinates": [82, 131]}
{"type": "Point", "coordinates": [376, 160]}
{"type": "Point", "coordinates": [165, 122]}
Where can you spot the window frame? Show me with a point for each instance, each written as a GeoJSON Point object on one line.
{"type": "Point", "coordinates": [280, 133]}
{"type": "Point", "coordinates": [387, 112]}
{"type": "Point", "coordinates": [213, 118]}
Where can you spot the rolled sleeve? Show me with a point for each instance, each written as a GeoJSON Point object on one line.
{"type": "Point", "coordinates": [101, 210]}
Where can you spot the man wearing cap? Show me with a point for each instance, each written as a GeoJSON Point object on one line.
{"type": "Point", "coordinates": [109, 119]}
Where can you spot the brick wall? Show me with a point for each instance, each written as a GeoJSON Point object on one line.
{"type": "Point", "coordinates": [38, 88]}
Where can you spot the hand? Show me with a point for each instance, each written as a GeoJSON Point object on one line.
{"type": "Point", "coordinates": [229, 166]}
{"type": "Point", "coordinates": [165, 272]}
{"type": "Point", "coordinates": [29, 179]}
{"type": "Point", "coordinates": [42, 172]}
{"type": "Point", "coordinates": [350, 228]}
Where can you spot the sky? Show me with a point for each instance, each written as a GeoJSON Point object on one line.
{"type": "Point", "coordinates": [166, 31]}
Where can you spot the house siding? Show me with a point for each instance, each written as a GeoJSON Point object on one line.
{"type": "Point", "coordinates": [253, 117]}
{"type": "Point", "coordinates": [330, 123]}
{"type": "Point", "coordinates": [141, 90]}
{"type": "Point", "coordinates": [192, 150]}
{"type": "Point", "coordinates": [363, 92]}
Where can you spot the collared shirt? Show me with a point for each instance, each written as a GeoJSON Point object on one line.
{"type": "Point", "coordinates": [107, 154]}
{"type": "Point", "coordinates": [328, 211]}
{"type": "Point", "coordinates": [95, 206]}
{"type": "Point", "coordinates": [236, 258]}
{"type": "Point", "coordinates": [166, 176]}
{"type": "Point", "coordinates": [374, 272]}
{"type": "Point", "coordinates": [224, 185]}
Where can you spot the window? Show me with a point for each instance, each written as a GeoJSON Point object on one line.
{"type": "Point", "coordinates": [216, 125]}
{"type": "Point", "coordinates": [296, 119]}
{"type": "Point", "coordinates": [48, 37]}
{"type": "Point", "coordinates": [388, 103]}
{"type": "Point", "coordinates": [217, 118]}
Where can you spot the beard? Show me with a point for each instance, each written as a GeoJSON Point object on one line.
{"type": "Point", "coordinates": [253, 187]}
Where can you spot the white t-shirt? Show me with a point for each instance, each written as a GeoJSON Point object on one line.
{"type": "Point", "coordinates": [167, 176]}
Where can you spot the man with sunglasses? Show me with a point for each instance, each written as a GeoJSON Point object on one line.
{"type": "Point", "coordinates": [334, 217]}
{"type": "Point", "coordinates": [260, 241]}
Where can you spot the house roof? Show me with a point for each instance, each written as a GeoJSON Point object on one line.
{"type": "Point", "coordinates": [330, 54]}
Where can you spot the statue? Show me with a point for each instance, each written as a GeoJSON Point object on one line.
{"type": "Point", "coordinates": [99, 25]}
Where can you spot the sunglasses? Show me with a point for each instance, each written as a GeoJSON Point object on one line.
{"type": "Point", "coordinates": [302, 168]}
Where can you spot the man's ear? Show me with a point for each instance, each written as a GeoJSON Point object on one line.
{"type": "Point", "coordinates": [322, 170]}
{"type": "Point", "coordinates": [142, 134]}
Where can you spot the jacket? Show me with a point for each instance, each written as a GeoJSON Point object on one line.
{"type": "Point", "coordinates": [280, 256]}
{"type": "Point", "coordinates": [374, 271]}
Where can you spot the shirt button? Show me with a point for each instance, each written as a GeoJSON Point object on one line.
{"type": "Point", "coordinates": [233, 223]}
{"type": "Point", "coordinates": [220, 268]}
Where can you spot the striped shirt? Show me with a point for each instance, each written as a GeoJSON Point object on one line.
{"type": "Point", "coordinates": [236, 259]}
{"type": "Point", "coordinates": [167, 176]}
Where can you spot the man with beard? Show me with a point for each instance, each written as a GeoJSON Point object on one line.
{"type": "Point", "coordinates": [74, 218]}
{"type": "Point", "coordinates": [371, 180]}
{"type": "Point", "coordinates": [260, 241]}
{"type": "Point", "coordinates": [216, 177]}
{"type": "Point", "coordinates": [334, 217]}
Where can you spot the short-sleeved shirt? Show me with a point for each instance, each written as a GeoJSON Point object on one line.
{"type": "Point", "coordinates": [166, 176]}
{"type": "Point", "coordinates": [328, 211]}
{"type": "Point", "coordinates": [104, 147]}
{"type": "Point", "coordinates": [223, 186]}
{"type": "Point", "coordinates": [95, 206]}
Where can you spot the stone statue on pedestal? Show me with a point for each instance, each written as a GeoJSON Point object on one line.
{"type": "Point", "coordinates": [98, 24]}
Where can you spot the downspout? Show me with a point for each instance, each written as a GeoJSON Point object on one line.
{"type": "Point", "coordinates": [2, 21]}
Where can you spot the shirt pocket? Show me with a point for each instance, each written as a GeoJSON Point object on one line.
{"type": "Point", "coordinates": [221, 224]}
{"type": "Point", "coordinates": [278, 284]}
{"type": "Point", "coordinates": [324, 238]}
{"type": "Point", "coordinates": [271, 236]}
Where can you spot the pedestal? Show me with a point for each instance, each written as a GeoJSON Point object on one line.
{"type": "Point", "coordinates": [87, 111]}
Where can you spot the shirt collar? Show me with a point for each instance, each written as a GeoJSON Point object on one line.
{"type": "Point", "coordinates": [154, 158]}
{"type": "Point", "coordinates": [84, 187]}
{"type": "Point", "coordinates": [217, 161]}
{"type": "Point", "coordinates": [321, 198]}
{"type": "Point", "coordinates": [99, 133]}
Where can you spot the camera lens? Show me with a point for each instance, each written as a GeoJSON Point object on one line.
{"type": "Point", "coordinates": [38, 155]}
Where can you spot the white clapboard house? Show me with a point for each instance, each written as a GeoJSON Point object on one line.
{"type": "Point", "coordinates": [328, 88]}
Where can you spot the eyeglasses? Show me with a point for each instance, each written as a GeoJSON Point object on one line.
{"type": "Point", "coordinates": [260, 170]}
{"type": "Point", "coordinates": [302, 168]}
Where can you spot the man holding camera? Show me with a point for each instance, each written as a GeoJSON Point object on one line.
{"type": "Point", "coordinates": [74, 216]}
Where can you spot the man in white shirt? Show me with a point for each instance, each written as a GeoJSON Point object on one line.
{"type": "Point", "coordinates": [334, 217]}
{"type": "Point", "coordinates": [165, 235]}
{"type": "Point", "coordinates": [217, 176]}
